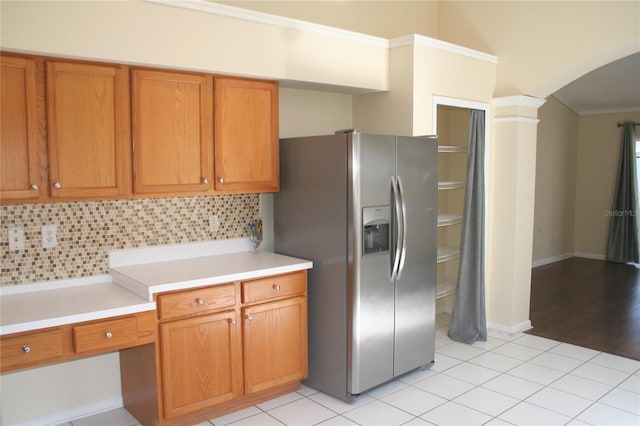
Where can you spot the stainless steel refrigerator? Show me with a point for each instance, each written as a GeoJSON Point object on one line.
{"type": "Point", "coordinates": [363, 208]}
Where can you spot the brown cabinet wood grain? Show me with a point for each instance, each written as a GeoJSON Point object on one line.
{"type": "Point", "coordinates": [201, 362]}
{"type": "Point", "coordinates": [172, 132]}
{"type": "Point", "coordinates": [278, 286]}
{"type": "Point", "coordinates": [197, 301]}
{"type": "Point", "coordinates": [88, 119]}
{"type": "Point", "coordinates": [106, 335]}
{"type": "Point", "coordinates": [19, 149]}
{"type": "Point", "coordinates": [31, 349]}
{"type": "Point", "coordinates": [246, 135]}
{"type": "Point", "coordinates": [275, 343]}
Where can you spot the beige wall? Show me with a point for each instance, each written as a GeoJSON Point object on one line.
{"type": "Point", "coordinates": [139, 32]}
{"type": "Point", "coordinates": [598, 156]}
{"type": "Point", "coordinates": [543, 45]}
{"type": "Point", "coordinates": [578, 158]}
{"type": "Point", "coordinates": [555, 182]}
{"type": "Point", "coordinates": [388, 19]}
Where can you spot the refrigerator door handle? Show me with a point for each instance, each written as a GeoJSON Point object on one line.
{"type": "Point", "coordinates": [395, 260]}
{"type": "Point", "coordinates": [403, 233]}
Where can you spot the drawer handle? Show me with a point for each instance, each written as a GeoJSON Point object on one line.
{"type": "Point", "coordinates": [276, 287]}
{"type": "Point", "coordinates": [249, 318]}
{"type": "Point", "coordinates": [109, 335]}
{"type": "Point", "coordinates": [26, 349]}
{"type": "Point", "coordinates": [233, 322]}
{"type": "Point", "coordinates": [200, 301]}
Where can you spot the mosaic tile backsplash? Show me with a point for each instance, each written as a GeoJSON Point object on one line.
{"type": "Point", "coordinates": [87, 231]}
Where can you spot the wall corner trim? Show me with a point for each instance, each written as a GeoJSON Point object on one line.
{"type": "Point", "coordinates": [510, 330]}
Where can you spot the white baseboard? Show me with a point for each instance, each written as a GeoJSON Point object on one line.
{"type": "Point", "coordinates": [552, 259]}
{"type": "Point", "coordinates": [523, 326]}
{"type": "Point", "coordinates": [594, 256]}
{"type": "Point", "coordinates": [558, 258]}
{"type": "Point", "coordinates": [75, 413]}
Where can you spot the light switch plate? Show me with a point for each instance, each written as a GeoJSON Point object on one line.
{"type": "Point", "coordinates": [49, 236]}
{"type": "Point", "coordinates": [214, 223]}
{"type": "Point", "coordinates": [16, 239]}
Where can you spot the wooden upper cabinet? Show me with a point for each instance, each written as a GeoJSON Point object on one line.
{"type": "Point", "coordinates": [172, 132]}
{"type": "Point", "coordinates": [89, 130]}
{"type": "Point", "coordinates": [19, 148]}
{"type": "Point", "coordinates": [246, 135]}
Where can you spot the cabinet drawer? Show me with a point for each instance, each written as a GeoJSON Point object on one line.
{"type": "Point", "coordinates": [274, 287]}
{"type": "Point", "coordinates": [30, 349]}
{"type": "Point", "coordinates": [114, 334]}
{"type": "Point", "coordinates": [198, 301]}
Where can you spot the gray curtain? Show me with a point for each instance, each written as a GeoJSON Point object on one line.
{"type": "Point", "coordinates": [468, 321]}
{"type": "Point", "coordinates": [623, 244]}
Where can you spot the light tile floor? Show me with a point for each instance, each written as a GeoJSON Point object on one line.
{"type": "Point", "coordinates": [509, 380]}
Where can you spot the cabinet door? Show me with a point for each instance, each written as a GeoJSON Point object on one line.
{"type": "Point", "coordinates": [89, 131]}
{"type": "Point", "coordinates": [246, 135]}
{"type": "Point", "coordinates": [19, 153]}
{"type": "Point", "coordinates": [275, 342]}
{"type": "Point", "coordinates": [201, 362]}
{"type": "Point", "coordinates": [172, 132]}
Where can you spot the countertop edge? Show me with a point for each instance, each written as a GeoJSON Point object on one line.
{"type": "Point", "coordinates": [76, 318]}
{"type": "Point", "coordinates": [147, 292]}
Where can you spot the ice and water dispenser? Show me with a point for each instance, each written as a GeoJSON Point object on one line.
{"type": "Point", "coordinates": [376, 222]}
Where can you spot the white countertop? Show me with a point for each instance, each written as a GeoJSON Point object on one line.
{"type": "Point", "coordinates": [149, 278]}
{"type": "Point", "coordinates": [43, 305]}
{"type": "Point", "coordinates": [135, 276]}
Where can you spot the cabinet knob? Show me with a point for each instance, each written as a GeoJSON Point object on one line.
{"type": "Point", "coordinates": [200, 301]}
{"type": "Point", "coordinates": [109, 335]}
{"type": "Point", "coordinates": [221, 180]}
{"type": "Point", "coordinates": [26, 349]}
{"type": "Point", "coordinates": [233, 322]}
{"type": "Point", "coordinates": [205, 181]}
{"type": "Point", "coordinates": [249, 318]}
{"type": "Point", "coordinates": [276, 287]}
{"type": "Point", "coordinates": [57, 185]}
{"type": "Point", "coordinates": [34, 186]}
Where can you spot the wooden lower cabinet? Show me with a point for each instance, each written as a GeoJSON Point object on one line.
{"type": "Point", "coordinates": [201, 362]}
{"type": "Point", "coordinates": [275, 342]}
{"type": "Point", "coordinates": [217, 358]}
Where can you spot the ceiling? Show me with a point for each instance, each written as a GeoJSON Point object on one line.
{"type": "Point", "coordinates": [611, 88]}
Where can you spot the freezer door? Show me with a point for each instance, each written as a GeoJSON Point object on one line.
{"type": "Point", "coordinates": [371, 333]}
{"type": "Point", "coordinates": [416, 284]}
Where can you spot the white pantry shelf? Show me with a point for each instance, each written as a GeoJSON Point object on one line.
{"type": "Point", "coordinates": [446, 254]}
{"type": "Point", "coordinates": [446, 286]}
{"type": "Point", "coordinates": [449, 219]}
{"type": "Point", "coordinates": [450, 184]}
{"type": "Point", "coordinates": [452, 148]}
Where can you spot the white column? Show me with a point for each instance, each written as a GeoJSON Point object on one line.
{"type": "Point", "coordinates": [511, 195]}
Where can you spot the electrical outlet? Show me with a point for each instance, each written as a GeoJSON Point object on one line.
{"type": "Point", "coordinates": [214, 223]}
{"type": "Point", "coordinates": [49, 236]}
{"type": "Point", "coordinates": [16, 239]}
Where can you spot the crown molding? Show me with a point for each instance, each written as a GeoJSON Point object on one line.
{"type": "Point", "coordinates": [417, 39]}
{"type": "Point", "coordinates": [516, 120]}
{"type": "Point", "coordinates": [269, 19]}
{"type": "Point", "coordinates": [518, 101]}
{"type": "Point", "coordinates": [281, 21]}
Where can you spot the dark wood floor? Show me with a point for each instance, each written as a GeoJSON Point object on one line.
{"type": "Point", "coordinates": [589, 303]}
